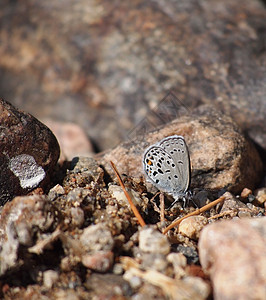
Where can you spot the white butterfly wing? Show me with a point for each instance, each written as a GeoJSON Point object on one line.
{"type": "Point", "coordinates": [176, 147]}
{"type": "Point", "coordinates": [160, 168]}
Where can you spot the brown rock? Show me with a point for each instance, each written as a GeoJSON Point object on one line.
{"type": "Point", "coordinates": [20, 220]}
{"type": "Point", "coordinates": [192, 226]}
{"type": "Point", "coordinates": [179, 262]}
{"type": "Point", "coordinates": [28, 152]}
{"type": "Point", "coordinates": [220, 155]}
{"type": "Point", "coordinates": [260, 196]}
{"type": "Point", "coordinates": [96, 238]}
{"type": "Point", "coordinates": [231, 203]}
{"type": "Point", "coordinates": [119, 195]}
{"type": "Point", "coordinates": [49, 278]}
{"type": "Point", "coordinates": [245, 193]}
{"type": "Point", "coordinates": [234, 254]}
{"type": "Point", "coordinates": [153, 241]}
{"type": "Point", "coordinates": [154, 261]}
{"type": "Point", "coordinates": [100, 261]}
{"type": "Point", "coordinates": [77, 215]}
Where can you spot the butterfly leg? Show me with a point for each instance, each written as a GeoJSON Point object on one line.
{"type": "Point", "coordinates": [174, 203]}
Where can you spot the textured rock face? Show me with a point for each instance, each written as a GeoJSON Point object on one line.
{"type": "Point", "coordinates": [118, 60]}
{"type": "Point", "coordinates": [28, 152]}
{"type": "Point", "coordinates": [221, 157]}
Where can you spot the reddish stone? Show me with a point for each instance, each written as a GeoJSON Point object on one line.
{"type": "Point", "coordinates": [233, 253]}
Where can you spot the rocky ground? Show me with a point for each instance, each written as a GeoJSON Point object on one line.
{"type": "Point", "coordinates": [73, 234]}
{"type": "Point", "coordinates": [101, 72]}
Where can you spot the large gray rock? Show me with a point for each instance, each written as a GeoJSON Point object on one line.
{"type": "Point", "coordinates": [221, 157]}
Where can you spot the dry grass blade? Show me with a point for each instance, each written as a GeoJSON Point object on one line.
{"type": "Point", "coordinates": [42, 244]}
{"type": "Point", "coordinates": [155, 207]}
{"type": "Point", "coordinates": [133, 207]}
{"type": "Point", "coordinates": [174, 288]}
{"type": "Point", "coordinates": [196, 212]}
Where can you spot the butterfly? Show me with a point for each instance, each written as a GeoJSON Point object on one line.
{"type": "Point", "coordinates": [167, 166]}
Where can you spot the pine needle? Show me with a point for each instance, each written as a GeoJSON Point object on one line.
{"type": "Point", "coordinates": [196, 212]}
{"type": "Point", "coordinates": [133, 207]}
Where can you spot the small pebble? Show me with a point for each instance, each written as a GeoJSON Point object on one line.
{"type": "Point", "coordinates": [260, 196]}
{"type": "Point", "coordinates": [251, 198]}
{"type": "Point", "coordinates": [100, 261]}
{"type": "Point", "coordinates": [49, 278]}
{"type": "Point", "coordinates": [192, 226]}
{"type": "Point", "coordinates": [96, 238]}
{"type": "Point", "coordinates": [134, 281]}
{"type": "Point", "coordinates": [245, 193]}
{"type": "Point", "coordinates": [152, 241]}
{"type": "Point", "coordinates": [189, 252]}
{"type": "Point", "coordinates": [67, 294]}
{"type": "Point", "coordinates": [72, 139]}
{"type": "Point", "coordinates": [179, 262]}
{"type": "Point", "coordinates": [77, 216]}
{"type": "Point", "coordinates": [56, 191]}
{"type": "Point", "coordinates": [154, 261]}
{"type": "Point", "coordinates": [118, 269]}
{"type": "Point", "coordinates": [77, 195]}
{"type": "Point", "coordinates": [244, 214]}
{"type": "Point", "coordinates": [231, 203]}
{"type": "Point", "coordinates": [117, 193]}
{"type": "Point", "coordinates": [201, 288]}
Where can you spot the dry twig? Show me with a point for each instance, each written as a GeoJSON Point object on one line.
{"type": "Point", "coordinates": [133, 207]}
{"type": "Point", "coordinates": [155, 207]}
{"type": "Point", "coordinates": [162, 207]}
{"type": "Point", "coordinates": [196, 212]}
